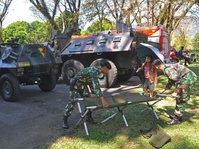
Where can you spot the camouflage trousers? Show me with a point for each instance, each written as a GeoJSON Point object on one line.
{"type": "Point", "coordinates": [184, 91]}
{"type": "Point", "coordinates": [73, 94]}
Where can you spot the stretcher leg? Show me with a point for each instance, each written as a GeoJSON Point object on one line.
{"type": "Point", "coordinates": [125, 121]}
{"type": "Point", "coordinates": [155, 114]}
{"type": "Point", "coordinates": [86, 128]}
{"type": "Point", "coordinates": [119, 111]}
{"type": "Point", "coordinates": [82, 117]}
{"type": "Point", "coordinates": [79, 107]}
{"type": "Point", "coordinates": [151, 106]}
{"type": "Point", "coordinates": [110, 117]}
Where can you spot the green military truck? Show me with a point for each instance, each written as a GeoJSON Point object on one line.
{"type": "Point", "coordinates": [26, 65]}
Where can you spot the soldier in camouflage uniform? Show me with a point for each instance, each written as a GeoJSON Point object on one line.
{"type": "Point", "coordinates": [78, 88]}
{"type": "Point", "coordinates": [183, 78]}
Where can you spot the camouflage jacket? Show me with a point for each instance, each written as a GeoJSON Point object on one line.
{"type": "Point", "coordinates": [179, 74]}
{"type": "Point", "coordinates": [88, 76]}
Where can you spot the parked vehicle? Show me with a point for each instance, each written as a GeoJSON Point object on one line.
{"type": "Point", "coordinates": [26, 65]}
{"type": "Point", "coordinates": [157, 34]}
{"type": "Point", "coordinates": [193, 57]}
{"type": "Point", "coordinates": [118, 47]}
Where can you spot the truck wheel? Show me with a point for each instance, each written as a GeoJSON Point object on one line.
{"type": "Point", "coordinates": [126, 76]}
{"type": "Point", "coordinates": [110, 78]}
{"type": "Point", "coordinates": [48, 82]}
{"type": "Point", "coordinates": [70, 68]}
{"type": "Point", "coordinates": [10, 88]}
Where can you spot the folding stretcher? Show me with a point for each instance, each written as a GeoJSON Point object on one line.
{"type": "Point", "coordinates": [119, 101]}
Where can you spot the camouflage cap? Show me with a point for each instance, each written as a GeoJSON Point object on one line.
{"type": "Point", "coordinates": [104, 63]}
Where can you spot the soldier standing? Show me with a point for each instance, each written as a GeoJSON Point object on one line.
{"type": "Point", "coordinates": [78, 88]}
{"type": "Point", "coordinates": [182, 78]}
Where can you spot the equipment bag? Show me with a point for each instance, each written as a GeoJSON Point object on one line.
{"type": "Point", "coordinates": [157, 136]}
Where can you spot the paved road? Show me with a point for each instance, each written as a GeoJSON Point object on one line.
{"type": "Point", "coordinates": [36, 118]}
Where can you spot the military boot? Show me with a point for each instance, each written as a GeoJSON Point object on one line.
{"type": "Point", "coordinates": [89, 118]}
{"type": "Point", "coordinates": [65, 123]}
{"type": "Point", "coordinates": [172, 116]}
{"type": "Point", "coordinates": [174, 121]}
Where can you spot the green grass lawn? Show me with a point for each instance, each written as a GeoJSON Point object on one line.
{"type": "Point", "coordinates": [115, 135]}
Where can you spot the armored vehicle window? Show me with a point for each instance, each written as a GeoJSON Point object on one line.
{"type": "Point", "coordinates": [77, 43]}
{"type": "Point", "coordinates": [89, 42]}
{"type": "Point", "coordinates": [103, 41]}
{"type": "Point", "coordinates": [116, 39]}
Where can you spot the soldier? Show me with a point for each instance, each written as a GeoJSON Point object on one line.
{"type": "Point", "coordinates": [182, 78]}
{"type": "Point", "coordinates": [78, 87]}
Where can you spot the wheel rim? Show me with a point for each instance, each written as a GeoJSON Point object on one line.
{"type": "Point", "coordinates": [70, 72]}
{"type": "Point", "coordinates": [6, 87]}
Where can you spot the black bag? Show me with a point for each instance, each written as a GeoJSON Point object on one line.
{"type": "Point", "coordinates": [157, 136]}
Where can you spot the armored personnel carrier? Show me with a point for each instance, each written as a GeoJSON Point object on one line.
{"type": "Point", "coordinates": [26, 65]}
{"type": "Point", "coordinates": [118, 48]}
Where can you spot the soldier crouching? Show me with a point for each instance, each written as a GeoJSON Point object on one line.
{"type": "Point", "coordinates": [78, 88]}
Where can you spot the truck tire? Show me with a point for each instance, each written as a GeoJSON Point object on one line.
{"type": "Point", "coordinates": [10, 88]}
{"type": "Point", "coordinates": [48, 82]}
{"type": "Point", "coordinates": [70, 68]}
{"type": "Point", "coordinates": [110, 78]}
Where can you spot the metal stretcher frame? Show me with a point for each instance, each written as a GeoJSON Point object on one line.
{"type": "Point", "coordinates": [119, 101]}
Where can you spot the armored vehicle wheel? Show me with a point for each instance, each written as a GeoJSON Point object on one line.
{"type": "Point", "coordinates": [70, 68]}
{"type": "Point", "coordinates": [10, 88]}
{"type": "Point", "coordinates": [109, 79]}
{"type": "Point", "coordinates": [48, 82]}
{"type": "Point", "coordinates": [126, 76]}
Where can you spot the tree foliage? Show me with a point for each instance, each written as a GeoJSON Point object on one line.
{"type": "Point", "coordinates": [4, 5]}
{"type": "Point", "coordinates": [67, 14]}
{"type": "Point", "coordinates": [196, 42]}
{"type": "Point", "coordinates": [70, 11]}
{"type": "Point", "coordinates": [95, 10]}
{"type": "Point", "coordinates": [48, 9]}
{"type": "Point", "coordinates": [35, 32]}
{"type": "Point", "coordinates": [96, 26]}
{"type": "Point", "coordinates": [150, 12]}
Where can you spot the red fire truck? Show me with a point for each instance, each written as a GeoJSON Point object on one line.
{"type": "Point", "coordinates": [158, 34]}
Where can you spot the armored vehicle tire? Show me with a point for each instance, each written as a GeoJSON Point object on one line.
{"type": "Point", "coordinates": [70, 68]}
{"type": "Point", "coordinates": [126, 76]}
{"type": "Point", "coordinates": [110, 78]}
{"type": "Point", "coordinates": [48, 82]}
{"type": "Point", "coordinates": [10, 88]}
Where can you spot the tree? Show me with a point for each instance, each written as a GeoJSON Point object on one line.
{"type": "Point", "coordinates": [151, 12]}
{"type": "Point", "coordinates": [95, 10]}
{"type": "Point", "coordinates": [97, 27]}
{"type": "Point", "coordinates": [38, 32]}
{"type": "Point", "coordinates": [119, 9]}
{"type": "Point", "coordinates": [196, 42]}
{"type": "Point", "coordinates": [16, 30]}
{"type": "Point", "coordinates": [48, 9]}
{"type": "Point", "coordinates": [4, 5]}
{"type": "Point", "coordinates": [35, 32]}
{"type": "Point", "coordinates": [70, 13]}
